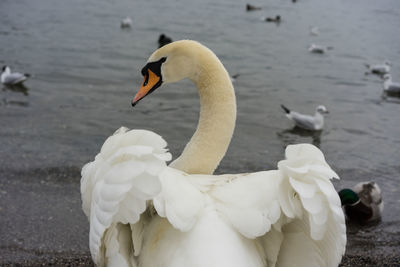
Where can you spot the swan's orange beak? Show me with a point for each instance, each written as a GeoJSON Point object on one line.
{"type": "Point", "coordinates": [150, 83]}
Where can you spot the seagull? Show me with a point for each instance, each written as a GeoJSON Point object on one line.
{"type": "Point", "coordinates": [318, 49]}
{"type": "Point", "coordinates": [308, 122]}
{"type": "Point", "coordinates": [314, 30]}
{"type": "Point", "coordinates": [163, 40]}
{"type": "Point", "coordinates": [126, 22]}
{"type": "Point", "coordinates": [389, 86]}
{"type": "Point", "coordinates": [12, 78]}
{"type": "Point", "coordinates": [380, 69]}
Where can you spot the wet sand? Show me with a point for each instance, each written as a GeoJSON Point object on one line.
{"type": "Point", "coordinates": [42, 224]}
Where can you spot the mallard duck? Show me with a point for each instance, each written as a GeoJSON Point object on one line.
{"type": "Point", "coordinates": [252, 8]}
{"type": "Point", "coordinates": [277, 19]}
{"type": "Point", "coordinates": [145, 213]}
{"type": "Point", "coordinates": [363, 203]}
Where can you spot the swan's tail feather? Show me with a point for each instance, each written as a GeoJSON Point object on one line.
{"type": "Point", "coordinates": [285, 109]}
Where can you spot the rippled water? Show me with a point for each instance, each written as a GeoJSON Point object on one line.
{"type": "Point", "coordinates": [86, 70]}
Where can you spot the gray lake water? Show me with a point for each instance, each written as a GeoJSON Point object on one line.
{"type": "Point", "coordinates": [86, 71]}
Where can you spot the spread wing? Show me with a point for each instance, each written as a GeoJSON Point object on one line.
{"type": "Point", "coordinates": [311, 230]}
{"type": "Point", "coordinates": [115, 188]}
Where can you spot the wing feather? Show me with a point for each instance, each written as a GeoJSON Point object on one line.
{"type": "Point", "coordinates": [311, 230]}
{"type": "Point", "coordinates": [115, 188]}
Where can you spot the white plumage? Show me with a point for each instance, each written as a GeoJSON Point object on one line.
{"type": "Point", "coordinates": [389, 86]}
{"type": "Point", "coordinates": [318, 49]}
{"type": "Point", "coordinates": [309, 122]}
{"type": "Point", "coordinates": [12, 78]}
{"type": "Point", "coordinates": [143, 213]}
{"type": "Point", "coordinates": [380, 69]}
{"type": "Point", "coordinates": [126, 22]}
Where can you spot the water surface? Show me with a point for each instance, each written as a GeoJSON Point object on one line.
{"type": "Point", "coordinates": [86, 70]}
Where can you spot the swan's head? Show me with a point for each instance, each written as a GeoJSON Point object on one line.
{"type": "Point", "coordinates": [170, 63]}
{"type": "Point", "coordinates": [322, 109]}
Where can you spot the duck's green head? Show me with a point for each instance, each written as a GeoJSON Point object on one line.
{"type": "Point", "coordinates": [348, 197]}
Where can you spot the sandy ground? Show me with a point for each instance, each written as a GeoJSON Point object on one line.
{"type": "Point", "coordinates": [41, 224]}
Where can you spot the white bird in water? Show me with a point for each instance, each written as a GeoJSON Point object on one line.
{"type": "Point", "coordinates": [318, 49]}
{"type": "Point", "coordinates": [389, 86]}
{"type": "Point", "coordinates": [126, 22]}
{"type": "Point", "coordinates": [380, 69]}
{"type": "Point", "coordinates": [12, 78]}
{"type": "Point", "coordinates": [308, 122]}
{"type": "Point", "coordinates": [314, 30]}
{"type": "Point", "coordinates": [145, 213]}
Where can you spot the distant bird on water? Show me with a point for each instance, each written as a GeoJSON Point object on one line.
{"type": "Point", "coordinates": [276, 19]}
{"type": "Point", "coordinates": [252, 8]}
{"type": "Point", "coordinates": [390, 87]}
{"type": "Point", "coordinates": [12, 78]}
{"type": "Point", "coordinates": [363, 203]}
{"type": "Point", "coordinates": [379, 69]}
{"type": "Point", "coordinates": [318, 49]}
{"type": "Point", "coordinates": [126, 23]}
{"type": "Point", "coordinates": [308, 122]}
{"type": "Point", "coordinates": [314, 30]}
{"type": "Point", "coordinates": [163, 40]}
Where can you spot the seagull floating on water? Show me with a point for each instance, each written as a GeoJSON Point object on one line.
{"type": "Point", "coordinates": [12, 78]}
{"type": "Point", "coordinates": [380, 69]}
{"type": "Point", "coordinates": [314, 31]}
{"type": "Point", "coordinates": [363, 203]}
{"type": "Point", "coordinates": [126, 22]}
{"type": "Point", "coordinates": [308, 122]}
{"type": "Point", "coordinates": [389, 86]}
{"type": "Point", "coordinates": [318, 49]}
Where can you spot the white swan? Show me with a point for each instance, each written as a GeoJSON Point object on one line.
{"type": "Point", "coordinates": [308, 122]}
{"type": "Point", "coordinates": [143, 213]}
{"type": "Point", "coordinates": [12, 78]}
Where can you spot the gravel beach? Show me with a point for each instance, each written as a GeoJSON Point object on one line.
{"type": "Point", "coordinates": [42, 224]}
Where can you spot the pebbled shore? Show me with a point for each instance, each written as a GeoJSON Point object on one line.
{"type": "Point", "coordinates": [41, 224]}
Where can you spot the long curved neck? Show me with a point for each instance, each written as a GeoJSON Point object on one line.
{"type": "Point", "coordinates": [211, 139]}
